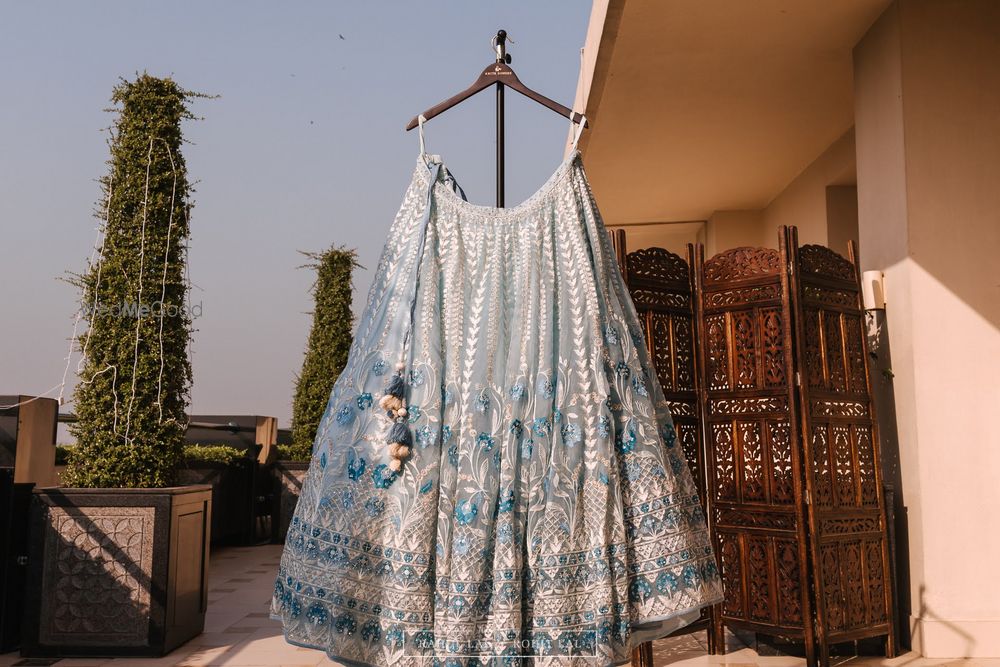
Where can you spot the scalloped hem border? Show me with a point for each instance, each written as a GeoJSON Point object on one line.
{"type": "Point", "coordinates": [684, 617]}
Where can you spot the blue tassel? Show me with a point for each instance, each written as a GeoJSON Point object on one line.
{"type": "Point", "coordinates": [400, 433]}
{"type": "Point", "coordinates": [396, 387]}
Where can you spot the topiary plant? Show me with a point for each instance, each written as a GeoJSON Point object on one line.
{"type": "Point", "coordinates": [329, 342]}
{"type": "Point", "coordinates": [135, 375]}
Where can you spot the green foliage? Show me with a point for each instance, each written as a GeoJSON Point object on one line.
{"type": "Point", "coordinates": [130, 431]}
{"type": "Point", "coordinates": [329, 343]}
{"type": "Point", "coordinates": [195, 454]}
{"type": "Point", "coordinates": [289, 453]}
{"type": "Point", "coordinates": [62, 454]}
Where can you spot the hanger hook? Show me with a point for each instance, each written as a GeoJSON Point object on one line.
{"type": "Point", "coordinates": [499, 45]}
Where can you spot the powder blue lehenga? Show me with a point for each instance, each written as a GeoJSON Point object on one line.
{"type": "Point", "coordinates": [545, 514]}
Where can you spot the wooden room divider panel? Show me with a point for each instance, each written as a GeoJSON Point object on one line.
{"type": "Point", "coordinates": [751, 431]}
{"type": "Point", "coordinates": [661, 285]}
{"type": "Point", "coordinates": [763, 357]}
{"type": "Point", "coordinates": [848, 532]}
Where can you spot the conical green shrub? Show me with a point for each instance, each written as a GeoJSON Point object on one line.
{"type": "Point", "coordinates": [133, 390]}
{"type": "Point", "coordinates": [329, 343]}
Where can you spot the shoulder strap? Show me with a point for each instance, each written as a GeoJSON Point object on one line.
{"type": "Point", "coordinates": [420, 124]}
{"type": "Point", "coordinates": [579, 130]}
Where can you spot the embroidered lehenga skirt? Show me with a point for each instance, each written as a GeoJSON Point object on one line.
{"type": "Point", "coordinates": [544, 512]}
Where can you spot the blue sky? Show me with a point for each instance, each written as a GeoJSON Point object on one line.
{"type": "Point", "coordinates": [304, 148]}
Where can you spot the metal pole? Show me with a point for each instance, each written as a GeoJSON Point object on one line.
{"type": "Point", "coordinates": [500, 42]}
{"type": "Point", "coordinates": [500, 119]}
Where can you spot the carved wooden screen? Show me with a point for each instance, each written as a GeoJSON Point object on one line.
{"type": "Point", "coordinates": [846, 507]}
{"type": "Point", "coordinates": [749, 412]}
{"type": "Point", "coordinates": [661, 285]}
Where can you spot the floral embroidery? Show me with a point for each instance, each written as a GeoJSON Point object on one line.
{"type": "Point", "coordinates": [383, 476]}
{"type": "Point", "coordinates": [667, 583]}
{"type": "Point", "coordinates": [425, 435]}
{"type": "Point", "coordinates": [345, 415]}
{"type": "Point", "coordinates": [516, 428]}
{"type": "Point", "coordinates": [486, 441]}
{"type": "Point", "coordinates": [506, 503]}
{"type": "Point", "coordinates": [546, 389]}
{"type": "Point", "coordinates": [622, 369]}
{"type": "Point", "coordinates": [453, 455]}
{"type": "Point", "coordinates": [317, 614]}
{"type": "Point", "coordinates": [637, 339]}
{"type": "Point", "coordinates": [571, 434]}
{"type": "Point", "coordinates": [345, 623]}
{"type": "Point", "coordinates": [540, 427]}
{"type": "Point", "coordinates": [371, 632]}
{"type": "Point", "coordinates": [604, 426]}
{"type": "Point", "coordinates": [611, 334]}
{"type": "Point", "coordinates": [394, 636]}
{"type": "Point", "coordinates": [669, 435]}
{"type": "Point", "coordinates": [640, 590]}
{"type": "Point", "coordinates": [465, 512]}
{"type": "Point", "coordinates": [625, 440]}
{"type": "Point", "coordinates": [356, 467]}
{"type": "Point", "coordinates": [639, 384]}
{"type": "Point", "coordinates": [374, 507]}
{"type": "Point", "coordinates": [517, 392]}
{"type": "Point", "coordinates": [462, 544]}
{"type": "Point", "coordinates": [556, 416]}
{"type": "Point", "coordinates": [424, 639]}
{"type": "Point", "coordinates": [414, 413]}
{"type": "Point", "coordinates": [379, 368]}
{"type": "Point", "coordinates": [364, 401]}
{"type": "Point", "coordinates": [482, 401]}
{"type": "Point", "coordinates": [294, 607]}
{"type": "Point", "coordinates": [526, 448]}
{"type": "Point", "coordinates": [416, 377]}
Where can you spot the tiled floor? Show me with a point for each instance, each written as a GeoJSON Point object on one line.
{"type": "Point", "coordinates": [238, 632]}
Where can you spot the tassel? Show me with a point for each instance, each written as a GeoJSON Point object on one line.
{"type": "Point", "coordinates": [398, 451]}
{"type": "Point", "coordinates": [395, 387]}
{"type": "Point", "coordinates": [400, 433]}
{"type": "Point", "coordinates": [390, 403]}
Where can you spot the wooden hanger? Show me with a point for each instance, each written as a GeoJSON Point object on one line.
{"type": "Point", "coordinates": [499, 73]}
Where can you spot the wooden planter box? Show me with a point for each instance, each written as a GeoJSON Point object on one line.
{"type": "Point", "coordinates": [289, 477]}
{"type": "Point", "coordinates": [233, 498]}
{"type": "Point", "coordinates": [116, 572]}
{"type": "Point", "coordinates": [15, 499]}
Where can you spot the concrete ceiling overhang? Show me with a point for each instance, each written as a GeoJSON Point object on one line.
{"type": "Point", "coordinates": [705, 105]}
